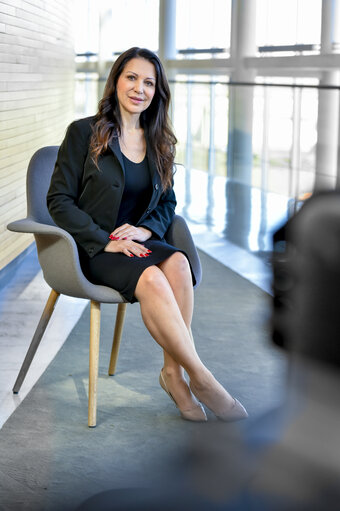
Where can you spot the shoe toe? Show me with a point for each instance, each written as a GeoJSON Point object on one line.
{"type": "Point", "coordinates": [196, 414]}
{"type": "Point", "coordinates": [236, 413]}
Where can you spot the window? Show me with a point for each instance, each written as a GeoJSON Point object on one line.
{"type": "Point", "coordinates": [288, 22]}
{"type": "Point", "coordinates": [201, 24]}
{"type": "Point", "coordinates": [113, 27]}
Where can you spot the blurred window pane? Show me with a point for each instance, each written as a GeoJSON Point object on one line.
{"type": "Point", "coordinates": [201, 24]}
{"type": "Point", "coordinates": [288, 22]}
{"type": "Point", "coordinates": [130, 23]}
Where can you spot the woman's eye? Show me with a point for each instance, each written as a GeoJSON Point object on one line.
{"type": "Point", "coordinates": [131, 77]}
{"type": "Point", "coordinates": [149, 83]}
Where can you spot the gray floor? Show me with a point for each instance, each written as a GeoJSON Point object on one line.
{"type": "Point", "coordinates": [205, 204]}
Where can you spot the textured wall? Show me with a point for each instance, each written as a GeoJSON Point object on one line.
{"type": "Point", "coordinates": [36, 98]}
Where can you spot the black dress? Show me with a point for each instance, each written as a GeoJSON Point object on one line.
{"type": "Point", "coordinates": [117, 270]}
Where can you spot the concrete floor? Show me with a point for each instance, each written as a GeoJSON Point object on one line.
{"type": "Point", "coordinates": [205, 207]}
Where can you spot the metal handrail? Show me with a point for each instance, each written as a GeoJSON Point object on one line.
{"type": "Point", "coordinates": [257, 84]}
{"type": "Point", "coordinates": [214, 50]}
{"type": "Point", "coordinates": [233, 83]}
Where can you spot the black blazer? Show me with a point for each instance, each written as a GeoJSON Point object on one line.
{"type": "Point", "coordinates": [85, 201]}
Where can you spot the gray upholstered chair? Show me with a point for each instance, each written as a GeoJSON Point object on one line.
{"type": "Point", "coordinates": [58, 257]}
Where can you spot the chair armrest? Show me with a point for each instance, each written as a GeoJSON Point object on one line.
{"type": "Point", "coordinates": [179, 235]}
{"type": "Point", "coordinates": [28, 225]}
{"type": "Point", "coordinates": [57, 253]}
{"type": "Point", "coordinates": [59, 261]}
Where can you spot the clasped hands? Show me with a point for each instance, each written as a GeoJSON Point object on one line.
{"type": "Point", "coordinates": [124, 239]}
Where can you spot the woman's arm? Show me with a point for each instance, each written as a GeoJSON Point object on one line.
{"type": "Point", "coordinates": [65, 189]}
{"type": "Point", "coordinates": [159, 219]}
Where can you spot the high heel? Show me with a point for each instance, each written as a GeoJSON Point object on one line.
{"type": "Point", "coordinates": [235, 413]}
{"type": "Point", "coordinates": [196, 414]}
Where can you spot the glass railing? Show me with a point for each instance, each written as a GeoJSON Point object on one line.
{"type": "Point", "coordinates": [251, 153]}
{"type": "Point", "coordinates": [282, 125]}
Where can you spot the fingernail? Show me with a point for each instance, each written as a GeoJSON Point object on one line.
{"type": "Point", "coordinates": [112, 237]}
{"type": "Point", "coordinates": [149, 251]}
{"type": "Point", "coordinates": [123, 238]}
{"type": "Point", "coordinates": [131, 255]}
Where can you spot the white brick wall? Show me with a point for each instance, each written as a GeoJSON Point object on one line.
{"type": "Point", "coordinates": [36, 98]}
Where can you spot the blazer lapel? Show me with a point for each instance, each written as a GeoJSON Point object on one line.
{"type": "Point", "coordinates": [115, 148]}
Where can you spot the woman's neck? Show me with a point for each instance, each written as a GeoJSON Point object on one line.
{"type": "Point", "coordinates": [130, 123]}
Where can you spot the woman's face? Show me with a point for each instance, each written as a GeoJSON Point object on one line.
{"type": "Point", "coordinates": [136, 85]}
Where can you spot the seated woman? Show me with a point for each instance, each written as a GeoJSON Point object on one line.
{"type": "Point", "coordinates": [112, 190]}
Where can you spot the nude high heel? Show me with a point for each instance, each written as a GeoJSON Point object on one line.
{"type": "Point", "coordinates": [227, 414]}
{"type": "Point", "coordinates": [196, 414]}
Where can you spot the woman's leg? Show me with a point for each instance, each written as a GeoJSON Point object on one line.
{"type": "Point", "coordinates": [177, 271]}
{"type": "Point", "coordinates": [163, 318]}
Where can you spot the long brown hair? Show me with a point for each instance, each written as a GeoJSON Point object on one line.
{"type": "Point", "coordinates": [154, 120]}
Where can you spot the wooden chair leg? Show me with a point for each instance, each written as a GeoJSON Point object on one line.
{"type": "Point", "coordinates": [117, 337]}
{"type": "Point", "coordinates": [40, 330]}
{"type": "Point", "coordinates": [94, 360]}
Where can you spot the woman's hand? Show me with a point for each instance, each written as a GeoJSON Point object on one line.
{"type": "Point", "coordinates": [130, 232]}
{"type": "Point", "coordinates": [127, 247]}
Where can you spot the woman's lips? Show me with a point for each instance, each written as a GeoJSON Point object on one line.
{"type": "Point", "coordinates": [136, 100]}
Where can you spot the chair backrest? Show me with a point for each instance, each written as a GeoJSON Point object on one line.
{"type": "Point", "coordinates": [39, 174]}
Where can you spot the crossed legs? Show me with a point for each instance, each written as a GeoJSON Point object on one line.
{"type": "Point", "coordinates": [167, 319]}
{"type": "Point", "coordinates": [166, 300]}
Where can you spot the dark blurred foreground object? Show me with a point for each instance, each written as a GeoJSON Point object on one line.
{"type": "Point", "coordinates": [306, 280]}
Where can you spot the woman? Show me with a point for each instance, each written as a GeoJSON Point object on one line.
{"type": "Point", "coordinates": [112, 190]}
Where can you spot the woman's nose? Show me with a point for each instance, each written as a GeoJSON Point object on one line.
{"type": "Point", "coordinates": [139, 87]}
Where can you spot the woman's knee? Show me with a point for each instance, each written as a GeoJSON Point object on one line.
{"type": "Point", "coordinates": [152, 280]}
{"type": "Point", "coordinates": [178, 269]}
